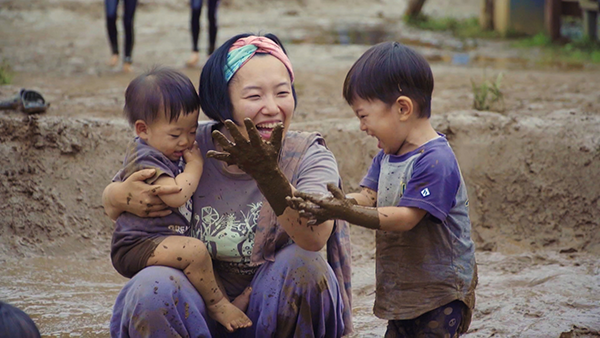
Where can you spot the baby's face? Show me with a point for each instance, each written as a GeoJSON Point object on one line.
{"type": "Point", "coordinates": [172, 138]}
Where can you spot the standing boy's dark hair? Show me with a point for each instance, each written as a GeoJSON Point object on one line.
{"type": "Point", "coordinates": [387, 71]}
{"type": "Point", "coordinates": [213, 89]}
{"type": "Point", "coordinates": [157, 90]}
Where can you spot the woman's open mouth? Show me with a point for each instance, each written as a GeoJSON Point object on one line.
{"type": "Point", "coordinates": [266, 129]}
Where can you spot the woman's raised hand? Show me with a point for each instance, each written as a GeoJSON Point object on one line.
{"type": "Point", "coordinates": [255, 156]}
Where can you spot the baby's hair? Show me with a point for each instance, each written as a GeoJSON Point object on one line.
{"type": "Point", "coordinates": [160, 90]}
{"type": "Point", "coordinates": [387, 71]}
{"type": "Point", "coordinates": [213, 89]}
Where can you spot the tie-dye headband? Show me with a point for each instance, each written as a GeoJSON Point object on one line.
{"type": "Point", "coordinates": [243, 49]}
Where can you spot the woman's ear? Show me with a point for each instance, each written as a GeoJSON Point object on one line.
{"type": "Point", "coordinates": [405, 107]}
{"type": "Point", "coordinates": [141, 129]}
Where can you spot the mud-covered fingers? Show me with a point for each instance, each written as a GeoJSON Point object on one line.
{"type": "Point", "coordinates": [335, 191]}
{"type": "Point", "coordinates": [253, 134]}
{"type": "Point", "coordinates": [314, 198]}
{"type": "Point", "coordinates": [221, 156]}
{"type": "Point", "coordinates": [277, 136]}
{"type": "Point", "coordinates": [235, 132]}
{"type": "Point", "coordinates": [294, 202]}
{"type": "Point", "coordinates": [222, 140]}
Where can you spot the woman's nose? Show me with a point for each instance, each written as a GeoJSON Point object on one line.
{"type": "Point", "coordinates": [271, 107]}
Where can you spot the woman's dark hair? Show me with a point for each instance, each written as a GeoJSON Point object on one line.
{"type": "Point", "coordinates": [157, 90]}
{"type": "Point", "coordinates": [387, 71]}
{"type": "Point", "coordinates": [213, 89]}
{"type": "Point", "coordinates": [16, 323]}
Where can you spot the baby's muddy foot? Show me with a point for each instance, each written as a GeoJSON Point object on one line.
{"type": "Point", "coordinates": [228, 315]}
{"type": "Point", "coordinates": [242, 301]}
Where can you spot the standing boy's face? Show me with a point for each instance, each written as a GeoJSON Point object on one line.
{"type": "Point", "coordinates": [172, 138]}
{"type": "Point", "coordinates": [381, 121]}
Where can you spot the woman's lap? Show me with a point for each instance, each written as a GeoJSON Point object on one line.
{"type": "Point", "coordinates": [298, 293]}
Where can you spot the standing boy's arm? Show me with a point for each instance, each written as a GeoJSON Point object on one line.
{"type": "Point", "coordinates": [395, 219]}
{"type": "Point", "coordinates": [188, 180]}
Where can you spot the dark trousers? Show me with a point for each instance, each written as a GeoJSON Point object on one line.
{"type": "Point", "coordinates": [111, 25]}
{"type": "Point", "coordinates": [196, 7]}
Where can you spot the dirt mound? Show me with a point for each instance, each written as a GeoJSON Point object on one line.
{"type": "Point", "coordinates": [531, 181]}
{"type": "Point", "coordinates": [51, 182]}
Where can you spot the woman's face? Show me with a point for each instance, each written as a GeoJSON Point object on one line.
{"type": "Point", "coordinates": [262, 91]}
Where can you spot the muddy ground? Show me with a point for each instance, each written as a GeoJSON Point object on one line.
{"type": "Point", "coordinates": [531, 170]}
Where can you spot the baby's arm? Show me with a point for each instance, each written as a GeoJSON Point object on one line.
{"type": "Point", "coordinates": [187, 180]}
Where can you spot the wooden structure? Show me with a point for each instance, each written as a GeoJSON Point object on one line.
{"type": "Point", "coordinates": [534, 16]}
{"type": "Point", "coordinates": [588, 9]}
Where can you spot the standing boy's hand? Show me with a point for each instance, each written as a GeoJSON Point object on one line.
{"type": "Point", "coordinates": [319, 208]}
{"type": "Point", "coordinates": [193, 154]}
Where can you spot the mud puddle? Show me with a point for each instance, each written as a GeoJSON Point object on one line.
{"type": "Point", "coordinates": [65, 297]}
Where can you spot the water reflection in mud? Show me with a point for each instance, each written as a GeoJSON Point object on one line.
{"type": "Point", "coordinates": [66, 297]}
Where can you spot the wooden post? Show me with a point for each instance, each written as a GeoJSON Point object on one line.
{"type": "Point", "coordinates": [414, 7]}
{"type": "Point", "coordinates": [486, 17]}
{"type": "Point", "coordinates": [552, 17]}
{"type": "Point", "coordinates": [590, 24]}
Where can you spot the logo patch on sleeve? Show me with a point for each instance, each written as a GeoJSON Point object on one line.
{"type": "Point", "coordinates": [425, 192]}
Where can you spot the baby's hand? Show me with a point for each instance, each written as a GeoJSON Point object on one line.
{"type": "Point", "coordinates": [193, 154]}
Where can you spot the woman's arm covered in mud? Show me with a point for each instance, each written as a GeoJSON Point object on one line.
{"type": "Point", "coordinates": [135, 196]}
{"type": "Point", "coordinates": [259, 159]}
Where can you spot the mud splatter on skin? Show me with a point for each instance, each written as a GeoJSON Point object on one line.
{"type": "Point", "coordinates": [129, 197]}
{"type": "Point", "coordinates": [317, 207]}
{"type": "Point", "coordinates": [258, 158]}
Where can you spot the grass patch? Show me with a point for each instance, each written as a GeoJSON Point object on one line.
{"type": "Point", "coordinates": [5, 73]}
{"type": "Point", "coordinates": [461, 28]}
{"type": "Point", "coordinates": [578, 50]}
{"type": "Point", "coordinates": [487, 94]}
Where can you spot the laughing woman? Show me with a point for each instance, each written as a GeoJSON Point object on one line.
{"type": "Point", "coordinates": [265, 255]}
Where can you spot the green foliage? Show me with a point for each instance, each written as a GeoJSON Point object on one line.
{"type": "Point", "coordinates": [462, 28]}
{"type": "Point", "coordinates": [5, 73]}
{"type": "Point", "coordinates": [576, 51]}
{"type": "Point", "coordinates": [487, 94]}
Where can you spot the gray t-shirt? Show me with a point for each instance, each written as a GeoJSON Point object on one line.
{"type": "Point", "coordinates": [433, 263]}
{"type": "Point", "coordinates": [226, 204]}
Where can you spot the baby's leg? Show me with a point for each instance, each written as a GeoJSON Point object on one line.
{"type": "Point", "coordinates": [190, 255]}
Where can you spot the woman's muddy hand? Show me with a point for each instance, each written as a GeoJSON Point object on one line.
{"type": "Point", "coordinates": [254, 155]}
{"type": "Point", "coordinates": [143, 199]}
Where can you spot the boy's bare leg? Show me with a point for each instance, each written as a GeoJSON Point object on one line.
{"type": "Point", "coordinates": [190, 255]}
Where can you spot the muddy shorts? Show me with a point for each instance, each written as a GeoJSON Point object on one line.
{"type": "Point", "coordinates": [442, 322]}
{"type": "Point", "coordinates": [130, 259]}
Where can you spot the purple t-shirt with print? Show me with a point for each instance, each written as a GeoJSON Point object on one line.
{"type": "Point", "coordinates": [432, 264]}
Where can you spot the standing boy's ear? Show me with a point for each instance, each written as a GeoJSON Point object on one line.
{"type": "Point", "coordinates": [141, 129]}
{"type": "Point", "coordinates": [405, 107]}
